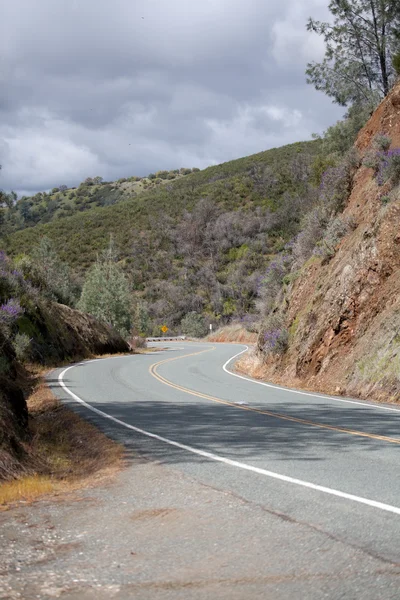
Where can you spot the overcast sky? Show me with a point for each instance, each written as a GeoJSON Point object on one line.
{"type": "Point", "coordinates": [125, 87]}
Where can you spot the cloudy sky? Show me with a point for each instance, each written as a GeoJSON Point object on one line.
{"type": "Point", "coordinates": [125, 87]}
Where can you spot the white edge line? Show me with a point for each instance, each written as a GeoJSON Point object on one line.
{"type": "Point", "coordinates": [292, 391]}
{"type": "Point", "coordinates": [228, 461]}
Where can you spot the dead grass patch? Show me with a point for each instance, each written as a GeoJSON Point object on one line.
{"type": "Point", "coordinates": [233, 333]}
{"type": "Point", "coordinates": [65, 451]}
{"type": "Point", "coordinates": [28, 488]}
{"type": "Point", "coordinates": [251, 365]}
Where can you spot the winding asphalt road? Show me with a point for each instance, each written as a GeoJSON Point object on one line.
{"type": "Point", "coordinates": [327, 462]}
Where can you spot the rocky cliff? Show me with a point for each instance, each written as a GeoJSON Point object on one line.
{"type": "Point", "coordinates": [343, 314]}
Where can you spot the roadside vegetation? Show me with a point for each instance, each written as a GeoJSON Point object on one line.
{"type": "Point", "coordinates": [63, 451]}
{"type": "Point", "coordinates": [39, 440]}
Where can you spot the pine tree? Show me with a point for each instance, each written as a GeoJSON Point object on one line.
{"type": "Point", "coordinates": [360, 46]}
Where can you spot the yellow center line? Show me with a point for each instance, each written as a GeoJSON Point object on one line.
{"type": "Point", "coordinates": [153, 371]}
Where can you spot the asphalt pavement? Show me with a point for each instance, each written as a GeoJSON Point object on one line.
{"type": "Point", "coordinates": [327, 465]}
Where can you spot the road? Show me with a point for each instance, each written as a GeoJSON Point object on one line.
{"type": "Point", "coordinates": [318, 465]}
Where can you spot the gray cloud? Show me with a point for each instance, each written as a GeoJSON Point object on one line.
{"type": "Point", "coordinates": [92, 88]}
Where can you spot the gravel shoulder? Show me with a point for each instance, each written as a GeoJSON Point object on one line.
{"type": "Point", "coordinates": [154, 533]}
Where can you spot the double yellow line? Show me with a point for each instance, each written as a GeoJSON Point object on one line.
{"type": "Point", "coordinates": [153, 370]}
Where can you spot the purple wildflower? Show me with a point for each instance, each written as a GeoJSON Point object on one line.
{"type": "Point", "coordinates": [10, 311]}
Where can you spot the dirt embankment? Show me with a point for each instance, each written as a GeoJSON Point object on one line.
{"type": "Point", "coordinates": [58, 334]}
{"type": "Point", "coordinates": [344, 316]}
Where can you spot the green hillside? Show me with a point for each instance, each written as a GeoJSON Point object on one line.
{"type": "Point", "coordinates": [197, 243]}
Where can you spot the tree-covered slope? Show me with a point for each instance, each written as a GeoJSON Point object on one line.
{"type": "Point", "coordinates": [200, 243]}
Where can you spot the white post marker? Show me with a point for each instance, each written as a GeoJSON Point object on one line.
{"type": "Point", "coordinates": [210, 326]}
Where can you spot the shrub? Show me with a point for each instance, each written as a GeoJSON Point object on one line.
{"type": "Point", "coordinates": [10, 311]}
{"type": "Point", "coordinates": [151, 176]}
{"type": "Point", "coordinates": [371, 160]}
{"type": "Point", "coordinates": [388, 167]}
{"type": "Point", "coordinates": [194, 325]}
{"type": "Point", "coordinates": [314, 225]}
{"type": "Point", "coordinates": [335, 231]}
{"type": "Point", "coordinates": [319, 166]}
{"type": "Point", "coordinates": [137, 341]}
{"type": "Point", "coordinates": [393, 167]}
{"type": "Point", "coordinates": [382, 142]}
{"type": "Point", "coordinates": [275, 337]}
{"type": "Point", "coordinates": [335, 186]}
{"type": "Point", "coordinates": [21, 345]}
{"type": "Point", "coordinates": [339, 138]}
{"type": "Point", "coordinates": [48, 273]}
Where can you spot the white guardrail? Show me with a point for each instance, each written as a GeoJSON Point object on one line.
{"type": "Point", "coordinates": [166, 338]}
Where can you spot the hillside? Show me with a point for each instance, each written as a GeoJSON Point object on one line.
{"type": "Point", "coordinates": [341, 310]}
{"type": "Point", "coordinates": [34, 329]}
{"type": "Point", "coordinates": [200, 243]}
{"type": "Point", "coordinates": [60, 202]}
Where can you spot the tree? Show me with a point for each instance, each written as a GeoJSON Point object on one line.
{"type": "Point", "coordinates": [8, 200]}
{"type": "Point", "coordinates": [194, 325]}
{"type": "Point", "coordinates": [360, 46]}
{"type": "Point", "coordinates": [141, 319]}
{"type": "Point", "coordinates": [48, 273]}
{"type": "Point", "coordinates": [106, 294]}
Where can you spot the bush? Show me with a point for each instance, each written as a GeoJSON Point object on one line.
{"type": "Point", "coordinates": [387, 166]}
{"type": "Point", "coordinates": [340, 137]}
{"type": "Point", "coordinates": [393, 167]}
{"type": "Point", "coordinates": [335, 231]}
{"type": "Point", "coordinates": [335, 186]}
{"type": "Point", "coordinates": [136, 341]}
{"type": "Point", "coordinates": [275, 336]}
{"type": "Point", "coordinates": [194, 325]}
{"type": "Point", "coordinates": [312, 231]}
{"type": "Point", "coordinates": [151, 176]}
{"type": "Point", "coordinates": [10, 311]}
{"type": "Point", "coordinates": [371, 161]}
{"type": "Point", "coordinates": [21, 345]}
{"type": "Point", "coordinates": [382, 142]}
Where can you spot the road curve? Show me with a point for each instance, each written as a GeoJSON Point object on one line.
{"type": "Point", "coordinates": [329, 463]}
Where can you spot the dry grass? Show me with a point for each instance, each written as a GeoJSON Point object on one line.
{"type": "Point", "coordinates": [233, 333]}
{"type": "Point", "coordinates": [66, 452]}
{"type": "Point", "coordinates": [28, 489]}
{"type": "Point", "coordinates": [251, 364]}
